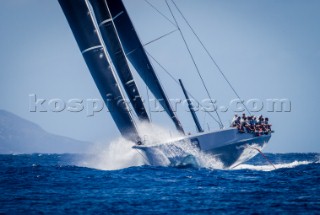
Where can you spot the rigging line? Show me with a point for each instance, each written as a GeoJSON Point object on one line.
{"type": "Point", "coordinates": [204, 118]}
{"type": "Point", "coordinates": [212, 59]}
{"type": "Point", "coordinates": [175, 80]}
{"type": "Point", "coordinates": [149, 107]}
{"type": "Point", "coordinates": [194, 62]}
{"type": "Point", "coordinates": [160, 37]}
{"type": "Point", "coordinates": [164, 16]}
{"type": "Point", "coordinates": [264, 156]}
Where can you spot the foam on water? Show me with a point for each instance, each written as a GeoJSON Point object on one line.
{"type": "Point", "coordinates": [270, 167]}
{"type": "Point", "coordinates": [292, 164]}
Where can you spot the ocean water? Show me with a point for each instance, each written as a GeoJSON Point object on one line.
{"type": "Point", "coordinates": [82, 184]}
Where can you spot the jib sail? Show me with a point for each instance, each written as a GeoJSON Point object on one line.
{"type": "Point", "coordinates": [86, 35]}
{"type": "Point", "coordinates": [137, 55]}
{"type": "Point", "coordinates": [114, 48]}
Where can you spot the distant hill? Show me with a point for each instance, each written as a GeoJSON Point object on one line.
{"type": "Point", "coordinates": [18, 135]}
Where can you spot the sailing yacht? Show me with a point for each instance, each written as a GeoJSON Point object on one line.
{"type": "Point", "coordinates": [108, 41]}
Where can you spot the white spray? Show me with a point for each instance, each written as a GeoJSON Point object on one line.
{"type": "Point", "coordinates": [119, 154]}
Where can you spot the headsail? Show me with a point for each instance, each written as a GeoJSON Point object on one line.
{"type": "Point", "coordinates": [137, 55]}
{"type": "Point", "coordinates": [114, 48]}
{"type": "Point", "coordinates": [86, 35]}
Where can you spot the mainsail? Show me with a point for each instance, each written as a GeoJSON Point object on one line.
{"type": "Point", "coordinates": [114, 48]}
{"type": "Point", "coordinates": [86, 35]}
{"type": "Point", "coordinates": [137, 55]}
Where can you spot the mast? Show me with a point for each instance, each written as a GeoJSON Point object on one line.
{"type": "Point", "coordinates": [137, 56]}
{"type": "Point", "coordinates": [114, 48]}
{"type": "Point", "coordinates": [191, 108]}
{"type": "Point", "coordinates": [86, 35]}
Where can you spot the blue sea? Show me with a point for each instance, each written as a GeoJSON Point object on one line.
{"type": "Point", "coordinates": [63, 184]}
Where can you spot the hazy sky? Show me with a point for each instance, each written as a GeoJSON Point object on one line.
{"type": "Point", "coordinates": [267, 49]}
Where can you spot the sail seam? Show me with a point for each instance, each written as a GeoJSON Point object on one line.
{"type": "Point", "coordinates": [105, 21]}
{"type": "Point", "coordinates": [91, 48]}
{"type": "Point", "coordinates": [130, 52]}
{"type": "Point", "coordinates": [116, 16]}
{"type": "Point", "coordinates": [129, 82]}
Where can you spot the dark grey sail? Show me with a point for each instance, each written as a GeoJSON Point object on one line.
{"type": "Point", "coordinates": [86, 35]}
{"type": "Point", "coordinates": [137, 55]}
{"type": "Point", "coordinates": [113, 46]}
